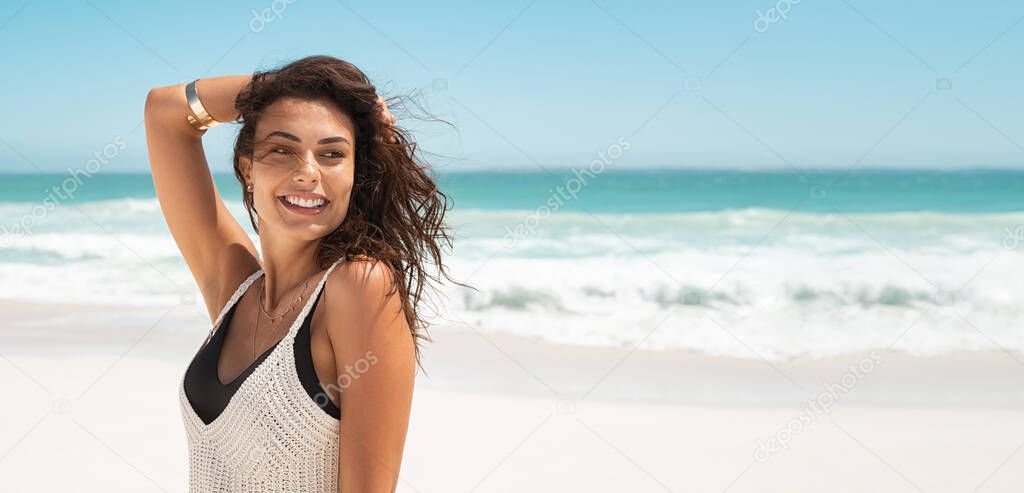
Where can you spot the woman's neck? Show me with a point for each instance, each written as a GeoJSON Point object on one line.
{"type": "Point", "coordinates": [286, 265]}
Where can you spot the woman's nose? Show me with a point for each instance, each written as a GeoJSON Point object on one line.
{"type": "Point", "coordinates": [307, 168]}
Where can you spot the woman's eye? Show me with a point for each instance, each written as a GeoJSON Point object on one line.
{"type": "Point", "coordinates": [334, 155]}
{"type": "Point", "coordinates": [280, 150]}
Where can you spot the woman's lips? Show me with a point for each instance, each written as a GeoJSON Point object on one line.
{"type": "Point", "coordinates": [305, 211]}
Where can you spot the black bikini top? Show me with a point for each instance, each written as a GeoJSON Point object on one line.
{"type": "Point", "coordinates": [208, 397]}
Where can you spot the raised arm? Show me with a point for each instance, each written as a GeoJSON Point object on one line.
{"type": "Point", "coordinates": [215, 247]}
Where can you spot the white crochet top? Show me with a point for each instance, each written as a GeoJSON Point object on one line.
{"type": "Point", "coordinates": [271, 436]}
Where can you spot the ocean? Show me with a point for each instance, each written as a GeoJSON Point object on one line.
{"type": "Point", "coordinates": [732, 263]}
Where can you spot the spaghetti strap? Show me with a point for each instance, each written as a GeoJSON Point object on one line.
{"type": "Point", "coordinates": [309, 302]}
{"type": "Point", "coordinates": [231, 302]}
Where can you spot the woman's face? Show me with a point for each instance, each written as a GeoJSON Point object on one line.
{"type": "Point", "coordinates": [302, 167]}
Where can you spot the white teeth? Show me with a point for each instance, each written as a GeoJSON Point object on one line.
{"type": "Point", "coordinates": [308, 203]}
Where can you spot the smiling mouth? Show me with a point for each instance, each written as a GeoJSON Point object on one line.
{"type": "Point", "coordinates": [304, 206]}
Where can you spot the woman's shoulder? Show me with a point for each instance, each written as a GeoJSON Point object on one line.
{"type": "Point", "coordinates": [365, 275]}
{"type": "Point", "coordinates": [363, 304]}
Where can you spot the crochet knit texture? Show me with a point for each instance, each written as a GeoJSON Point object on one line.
{"type": "Point", "coordinates": [271, 436]}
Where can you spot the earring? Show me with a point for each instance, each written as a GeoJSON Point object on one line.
{"type": "Point", "coordinates": [248, 188]}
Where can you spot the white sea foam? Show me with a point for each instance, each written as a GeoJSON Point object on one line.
{"type": "Point", "coordinates": [773, 303]}
{"type": "Point", "coordinates": [744, 283]}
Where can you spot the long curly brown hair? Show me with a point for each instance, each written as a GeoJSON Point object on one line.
{"type": "Point", "coordinates": [396, 211]}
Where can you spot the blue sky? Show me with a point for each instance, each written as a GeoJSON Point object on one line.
{"type": "Point", "coordinates": [551, 83]}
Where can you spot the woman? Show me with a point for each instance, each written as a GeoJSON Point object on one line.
{"type": "Point", "coordinates": [305, 380]}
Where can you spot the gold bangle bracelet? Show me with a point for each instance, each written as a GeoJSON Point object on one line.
{"type": "Point", "coordinates": [200, 119]}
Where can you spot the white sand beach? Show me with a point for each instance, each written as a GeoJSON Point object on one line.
{"type": "Point", "coordinates": [92, 406]}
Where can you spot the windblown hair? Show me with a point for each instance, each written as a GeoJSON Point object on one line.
{"type": "Point", "coordinates": [396, 211]}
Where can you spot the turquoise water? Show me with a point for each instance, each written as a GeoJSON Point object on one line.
{"type": "Point", "coordinates": [649, 191]}
{"type": "Point", "coordinates": [701, 191]}
{"type": "Point", "coordinates": [818, 263]}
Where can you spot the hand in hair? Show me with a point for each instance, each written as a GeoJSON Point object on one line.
{"type": "Point", "coordinates": [385, 114]}
{"type": "Point", "coordinates": [388, 119]}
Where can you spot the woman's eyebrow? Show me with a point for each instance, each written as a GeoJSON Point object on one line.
{"type": "Point", "coordinates": [331, 140]}
{"type": "Point", "coordinates": [286, 135]}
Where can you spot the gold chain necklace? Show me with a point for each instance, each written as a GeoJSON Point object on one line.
{"type": "Point", "coordinates": [273, 318]}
